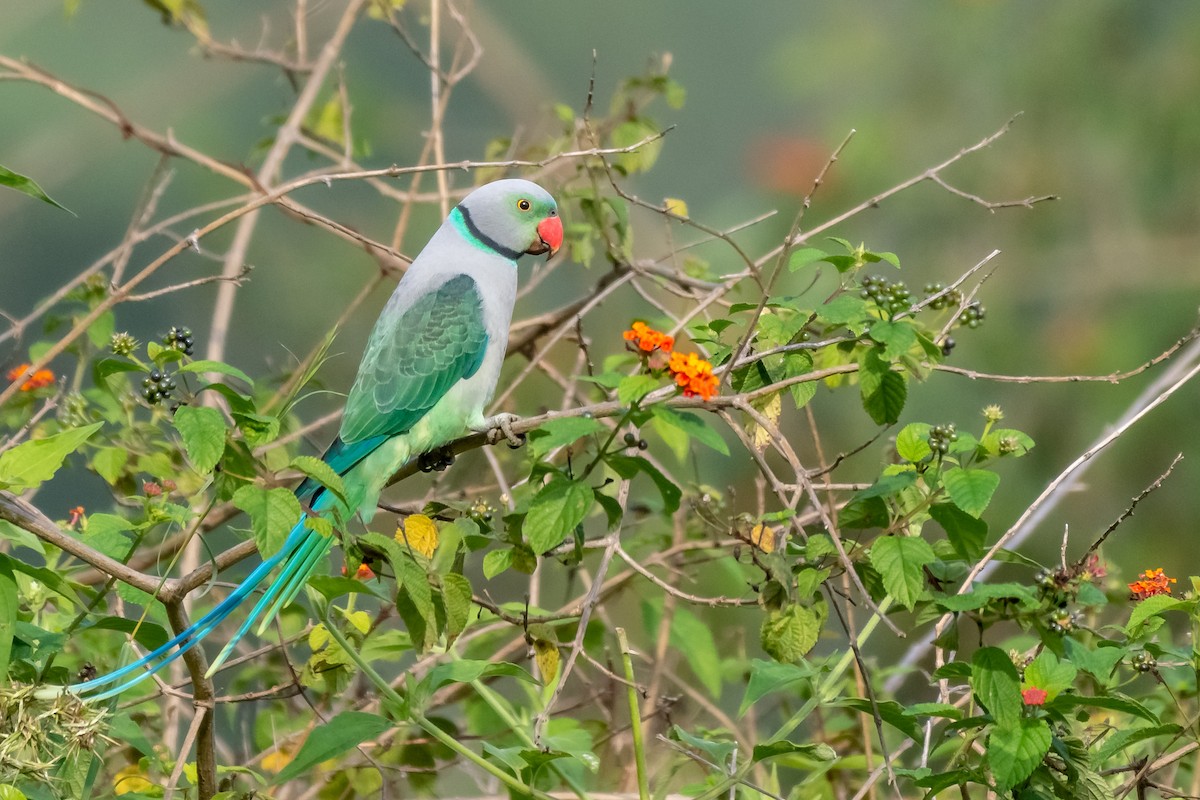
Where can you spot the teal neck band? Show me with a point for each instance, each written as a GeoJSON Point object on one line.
{"type": "Point", "coordinates": [461, 218]}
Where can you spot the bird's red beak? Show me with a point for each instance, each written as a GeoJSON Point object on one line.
{"type": "Point", "coordinates": [550, 237]}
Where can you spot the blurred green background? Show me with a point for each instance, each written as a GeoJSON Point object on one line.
{"type": "Point", "coordinates": [1096, 282]}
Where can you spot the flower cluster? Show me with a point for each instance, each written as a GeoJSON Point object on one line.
{"type": "Point", "coordinates": [1150, 583]}
{"type": "Point", "coordinates": [1034, 696]}
{"type": "Point", "coordinates": [690, 372]}
{"type": "Point", "coordinates": [647, 339]}
{"type": "Point", "coordinates": [694, 375]}
{"type": "Point", "coordinates": [43, 377]}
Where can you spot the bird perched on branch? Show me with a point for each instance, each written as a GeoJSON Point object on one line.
{"type": "Point", "coordinates": [429, 369]}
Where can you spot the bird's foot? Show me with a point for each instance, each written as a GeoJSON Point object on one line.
{"type": "Point", "coordinates": [499, 428]}
{"type": "Point", "coordinates": [436, 460]}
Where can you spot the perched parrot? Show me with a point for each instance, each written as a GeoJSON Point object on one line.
{"type": "Point", "coordinates": [429, 369]}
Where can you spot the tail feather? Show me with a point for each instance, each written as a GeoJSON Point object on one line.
{"type": "Point", "coordinates": [299, 540]}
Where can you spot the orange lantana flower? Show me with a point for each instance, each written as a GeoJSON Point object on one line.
{"type": "Point", "coordinates": [1034, 696]}
{"type": "Point", "coordinates": [1150, 583]}
{"type": "Point", "coordinates": [43, 377]}
{"type": "Point", "coordinates": [693, 374]}
{"type": "Point", "coordinates": [647, 339]}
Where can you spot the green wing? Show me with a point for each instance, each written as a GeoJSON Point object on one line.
{"type": "Point", "coordinates": [413, 358]}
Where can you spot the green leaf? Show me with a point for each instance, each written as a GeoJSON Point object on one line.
{"type": "Point", "coordinates": [997, 685]}
{"type": "Point", "coordinates": [1113, 702]}
{"type": "Point", "coordinates": [1151, 607]}
{"type": "Point", "coordinates": [218, 367]}
{"type": "Point", "coordinates": [900, 561]}
{"type": "Point", "coordinates": [8, 613]}
{"type": "Point", "coordinates": [982, 594]}
{"type": "Point", "coordinates": [691, 424]}
{"type": "Point", "coordinates": [897, 338]}
{"type": "Point", "coordinates": [789, 633]}
{"type": "Point", "coordinates": [497, 561]}
{"type": "Point", "coordinates": [558, 507]}
{"type": "Point", "coordinates": [846, 309]}
{"type": "Point", "coordinates": [694, 639]}
{"type": "Point", "coordinates": [634, 387]}
{"type": "Point", "coordinates": [883, 390]}
{"type": "Point", "coordinates": [803, 256]}
{"type": "Point", "coordinates": [412, 580]}
{"type": "Point", "coordinates": [912, 442]}
{"type": "Point", "coordinates": [889, 711]}
{"type": "Point", "coordinates": [557, 433]}
{"type": "Point", "coordinates": [465, 671]}
{"type": "Point", "coordinates": [1126, 737]}
{"type": "Point", "coordinates": [1095, 660]}
{"type": "Point", "coordinates": [965, 532]}
{"type": "Point", "coordinates": [1007, 442]}
{"type": "Point", "coordinates": [771, 676]}
{"type": "Point", "coordinates": [456, 597]}
{"type": "Point", "coordinates": [203, 432]}
{"type": "Point", "coordinates": [28, 464]}
{"type": "Point", "coordinates": [1046, 672]}
{"type": "Point", "coordinates": [320, 472]}
{"type": "Point", "coordinates": [970, 489]}
{"type": "Point", "coordinates": [718, 752]}
{"type": "Point", "coordinates": [816, 752]}
{"type": "Point", "coordinates": [109, 463]}
{"type": "Point", "coordinates": [628, 466]}
{"type": "Point", "coordinates": [346, 730]}
{"type": "Point", "coordinates": [273, 514]}
{"type": "Point", "coordinates": [1014, 752]}
{"type": "Point", "coordinates": [27, 186]}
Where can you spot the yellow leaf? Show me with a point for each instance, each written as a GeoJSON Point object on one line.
{"type": "Point", "coordinates": [545, 654]}
{"type": "Point", "coordinates": [318, 637]}
{"type": "Point", "coordinates": [420, 533]}
{"type": "Point", "coordinates": [360, 620]}
{"type": "Point", "coordinates": [274, 762]}
{"type": "Point", "coordinates": [771, 408]}
{"type": "Point", "coordinates": [675, 206]}
{"type": "Point", "coordinates": [131, 779]}
{"type": "Point", "coordinates": [764, 537]}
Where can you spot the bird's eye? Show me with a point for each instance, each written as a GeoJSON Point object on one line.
{"type": "Point", "coordinates": [523, 204]}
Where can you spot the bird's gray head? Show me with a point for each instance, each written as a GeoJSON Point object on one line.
{"type": "Point", "coordinates": [510, 217]}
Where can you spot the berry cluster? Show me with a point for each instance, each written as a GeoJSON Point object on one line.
{"type": "Point", "coordinates": [891, 297]}
{"type": "Point", "coordinates": [179, 338]}
{"type": "Point", "coordinates": [157, 387]}
{"type": "Point", "coordinates": [1145, 662]}
{"type": "Point", "coordinates": [972, 316]}
{"type": "Point", "coordinates": [940, 438]}
{"type": "Point", "coordinates": [633, 441]}
{"type": "Point", "coordinates": [950, 299]}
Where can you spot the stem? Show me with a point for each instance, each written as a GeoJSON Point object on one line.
{"type": "Point", "coordinates": [635, 716]}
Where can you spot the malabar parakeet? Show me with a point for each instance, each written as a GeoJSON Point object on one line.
{"type": "Point", "coordinates": [429, 369]}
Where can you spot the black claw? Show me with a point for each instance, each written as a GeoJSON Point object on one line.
{"type": "Point", "coordinates": [519, 443]}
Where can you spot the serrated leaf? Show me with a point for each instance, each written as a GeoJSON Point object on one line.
{"type": "Point", "coordinates": [1014, 752]}
{"type": "Point", "coordinates": [816, 752]}
{"type": "Point", "coordinates": [803, 256]}
{"type": "Point", "coordinates": [718, 752]}
{"type": "Point", "coordinates": [883, 390]}
{"type": "Point", "coordinates": [456, 597]}
{"type": "Point", "coordinates": [9, 607]}
{"type": "Point", "coordinates": [634, 387]}
{"type": "Point", "coordinates": [896, 337]}
{"type": "Point", "coordinates": [789, 633]}
{"type": "Point", "coordinates": [419, 533]}
{"type": "Point", "coordinates": [203, 433]}
{"type": "Point", "coordinates": [1126, 737]}
{"type": "Point", "coordinates": [497, 561]}
{"type": "Point", "coordinates": [219, 367]}
{"type": "Point", "coordinates": [846, 309]}
{"type": "Point", "coordinates": [545, 655]}
{"type": "Point", "coordinates": [26, 185]}
{"type": "Point", "coordinates": [997, 685]}
{"type": "Point", "coordinates": [557, 433]}
{"type": "Point", "coordinates": [332, 738]}
{"type": "Point", "coordinates": [29, 464]}
{"type": "Point", "coordinates": [1151, 607]}
{"type": "Point", "coordinates": [628, 466]}
{"type": "Point", "coordinates": [965, 532]}
{"type": "Point", "coordinates": [109, 463]}
{"type": "Point", "coordinates": [970, 489]}
{"type": "Point", "coordinates": [912, 442]}
{"type": "Point", "coordinates": [692, 424]}
{"type": "Point", "coordinates": [556, 509]}
{"type": "Point", "coordinates": [273, 514]}
{"type": "Point", "coordinates": [322, 473]}
{"type": "Point", "coordinates": [900, 561]}
{"type": "Point", "coordinates": [771, 676]}
{"type": "Point", "coordinates": [1049, 674]}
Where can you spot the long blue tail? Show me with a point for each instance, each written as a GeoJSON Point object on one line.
{"type": "Point", "coordinates": [298, 557]}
